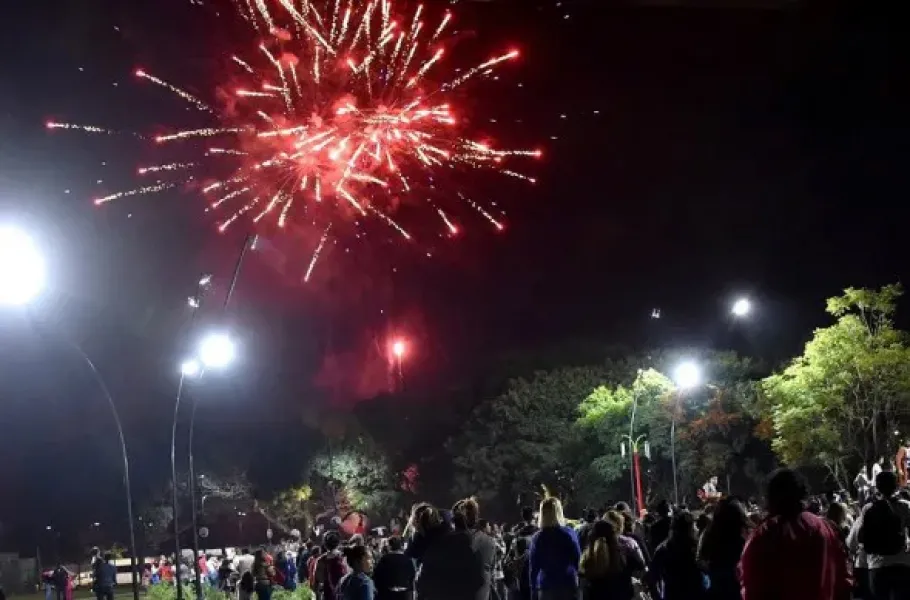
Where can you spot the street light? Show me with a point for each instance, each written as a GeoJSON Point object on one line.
{"type": "Point", "coordinates": [21, 268]}
{"type": "Point", "coordinates": [22, 279]}
{"type": "Point", "coordinates": [216, 350]}
{"type": "Point", "coordinates": [687, 375]}
{"type": "Point", "coordinates": [741, 308]}
{"type": "Point", "coordinates": [190, 368]}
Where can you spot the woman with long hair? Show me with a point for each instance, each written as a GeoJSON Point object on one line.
{"type": "Point", "coordinates": [721, 546]}
{"type": "Point", "coordinates": [675, 574]}
{"type": "Point", "coordinates": [554, 555]}
{"type": "Point", "coordinates": [607, 564]}
{"type": "Point", "coordinates": [425, 526]}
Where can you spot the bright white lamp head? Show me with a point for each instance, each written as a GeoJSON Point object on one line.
{"type": "Point", "coordinates": [191, 368]}
{"type": "Point", "coordinates": [216, 350]}
{"type": "Point", "coordinates": [742, 307]}
{"type": "Point", "coordinates": [687, 375]}
{"type": "Point", "coordinates": [21, 267]}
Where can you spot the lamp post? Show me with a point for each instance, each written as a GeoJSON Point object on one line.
{"type": "Point", "coordinates": [22, 278]}
{"type": "Point", "coordinates": [633, 445]}
{"type": "Point", "coordinates": [190, 368]}
{"type": "Point", "coordinates": [215, 351]}
{"type": "Point", "coordinates": [687, 375]}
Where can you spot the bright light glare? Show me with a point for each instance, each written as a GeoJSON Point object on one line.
{"type": "Point", "coordinates": [191, 368]}
{"type": "Point", "coordinates": [398, 348]}
{"type": "Point", "coordinates": [216, 350]}
{"type": "Point", "coordinates": [687, 375]}
{"type": "Point", "coordinates": [742, 307]}
{"type": "Point", "coordinates": [21, 267]}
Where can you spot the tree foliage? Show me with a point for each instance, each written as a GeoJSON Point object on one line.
{"type": "Point", "coordinates": [838, 404]}
{"type": "Point", "coordinates": [563, 429]}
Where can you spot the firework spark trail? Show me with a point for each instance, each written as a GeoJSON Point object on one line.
{"type": "Point", "coordinates": [243, 64]}
{"type": "Point", "coordinates": [349, 133]}
{"type": "Point", "coordinates": [425, 67]}
{"type": "Point", "coordinates": [230, 151]}
{"type": "Point", "coordinates": [229, 196]}
{"type": "Point", "coordinates": [391, 222]}
{"type": "Point", "coordinates": [481, 210]}
{"type": "Point", "coordinates": [442, 26]}
{"type": "Point", "coordinates": [317, 252]}
{"type": "Point", "coordinates": [149, 189]}
{"type": "Point", "coordinates": [191, 133]}
{"type": "Point", "coordinates": [243, 210]}
{"type": "Point", "coordinates": [85, 128]}
{"type": "Point", "coordinates": [199, 104]}
{"type": "Point", "coordinates": [264, 11]}
{"type": "Point", "coordinates": [167, 167]}
{"type": "Point", "coordinates": [445, 219]}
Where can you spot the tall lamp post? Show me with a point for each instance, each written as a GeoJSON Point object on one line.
{"type": "Point", "coordinates": [189, 368]}
{"type": "Point", "coordinates": [22, 278]}
{"type": "Point", "coordinates": [633, 444]}
{"type": "Point", "coordinates": [215, 351]}
{"type": "Point", "coordinates": [687, 375]}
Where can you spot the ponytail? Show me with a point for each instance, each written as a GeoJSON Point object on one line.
{"type": "Point", "coordinates": [602, 555]}
{"type": "Point", "coordinates": [595, 560]}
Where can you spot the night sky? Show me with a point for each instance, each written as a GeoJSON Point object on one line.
{"type": "Point", "coordinates": [690, 155]}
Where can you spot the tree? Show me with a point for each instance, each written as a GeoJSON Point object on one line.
{"type": "Point", "coordinates": [357, 473]}
{"type": "Point", "coordinates": [605, 420]}
{"type": "Point", "coordinates": [526, 437]}
{"type": "Point", "coordinates": [562, 429]}
{"type": "Point", "coordinates": [837, 404]}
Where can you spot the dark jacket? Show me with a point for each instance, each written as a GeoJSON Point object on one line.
{"type": "Point", "coordinates": [453, 569]}
{"type": "Point", "coordinates": [394, 576]}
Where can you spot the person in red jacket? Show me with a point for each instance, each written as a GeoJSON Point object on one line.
{"type": "Point", "coordinates": [794, 554]}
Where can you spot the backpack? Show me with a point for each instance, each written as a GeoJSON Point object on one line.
{"type": "Point", "coordinates": [330, 569]}
{"type": "Point", "coordinates": [882, 531]}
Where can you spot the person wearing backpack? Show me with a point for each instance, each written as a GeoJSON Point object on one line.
{"type": "Point", "coordinates": [330, 568]}
{"type": "Point", "coordinates": [882, 531]}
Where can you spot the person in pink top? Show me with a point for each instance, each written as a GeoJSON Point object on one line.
{"type": "Point", "coordinates": [794, 554]}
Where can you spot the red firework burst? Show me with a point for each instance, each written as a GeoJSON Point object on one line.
{"type": "Point", "coordinates": [338, 112]}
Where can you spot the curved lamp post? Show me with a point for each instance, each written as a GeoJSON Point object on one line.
{"type": "Point", "coordinates": [22, 279]}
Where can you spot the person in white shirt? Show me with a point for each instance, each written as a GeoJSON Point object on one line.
{"type": "Point", "coordinates": [863, 485]}
{"type": "Point", "coordinates": [877, 468]}
{"type": "Point", "coordinates": [243, 562]}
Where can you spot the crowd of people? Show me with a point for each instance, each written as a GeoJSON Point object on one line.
{"type": "Point", "coordinates": [795, 548]}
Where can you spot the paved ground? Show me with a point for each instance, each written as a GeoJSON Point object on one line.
{"type": "Point", "coordinates": [77, 595]}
